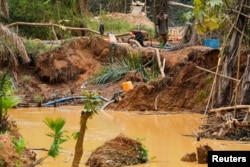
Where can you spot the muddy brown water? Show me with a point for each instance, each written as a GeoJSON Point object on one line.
{"type": "Point", "coordinates": [162, 135]}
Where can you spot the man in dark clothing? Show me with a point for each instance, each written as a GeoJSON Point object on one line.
{"type": "Point", "coordinates": [162, 26]}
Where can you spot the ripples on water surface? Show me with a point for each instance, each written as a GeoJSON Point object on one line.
{"type": "Point", "coordinates": [161, 134]}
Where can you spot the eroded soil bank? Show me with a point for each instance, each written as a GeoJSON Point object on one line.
{"type": "Point", "coordinates": [64, 72]}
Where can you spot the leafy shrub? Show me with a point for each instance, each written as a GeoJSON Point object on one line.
{"type": "Point", "coordinates": [19, 144]}
{"type": "Point", "coordinates": [58, 134]}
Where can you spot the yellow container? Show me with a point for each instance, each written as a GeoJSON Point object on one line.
{"type": "Point", "coordinates": [126, 86]}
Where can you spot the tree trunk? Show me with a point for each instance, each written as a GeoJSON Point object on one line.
{"type": "Point", "coordinates": [83, 6]}
{"type": "Point", "coordinates": [80, 139]}
{"type": "Point", "coordinates": [125, 6]}
{"type": "Point", "coordinates": [245, 99]}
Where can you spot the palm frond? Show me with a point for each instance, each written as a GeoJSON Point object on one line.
{"type": "Point", "coordinates": [12, 39]}
{"type": "Point", "coordinates": [56, 125]}
{"type": "Point", "coordinates": [6, 54]}
{"type": "Point", "coordinates": [111, 73]}
{"type": "Point", "coordinates": [10, 102]}
{"type": "Point", "coordinates": [120, 67]}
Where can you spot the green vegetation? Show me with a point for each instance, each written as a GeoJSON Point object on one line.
{"type": "Point", "coordinates": [63, 13]}
{"type": "Point", "coordinates": [19, 144]}
{"type": "Point", "coordinates": [26, 79]}
{"type": "Point", "coordinates": [143, 151]}
{"type": "Point", "coordinates": [207, 15]}
{"type": "Point", "coordinates": [115, 25]}
{"type": "Point", "coordinates": [92, 103]}
{"type": "Point", "coordinates": [58, 135]}
{"type": "Point", "coordinates": [7, 101]}
{"type": "Point", "coordinates": [118, 68]}
{"type": "Point", "coordinates": [202, 95]}
{"type": "Point", "coordinates": [38, 98]}
{"type": "Point", "coordinates": [34, 48]}
{"type": "Point", "coordinates": [43, 12]}
{"type": "Point", "coordinates": [210, 79]}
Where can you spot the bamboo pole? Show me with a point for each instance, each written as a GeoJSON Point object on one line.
{"type": "Point", "coordinates": [59, 26]}
{"type": "Point", "coordinates": [231, 108]}
{"type": "Point", "coordinates": [238, 29]}
{"type": "Point", "coordinates": [212, 89]}
{"type": "Point", "coordinates": [54, 33]}
{"type": "Point", "coordinates": [218, 74]}
{"type": "Point", "coordinates": [241, 13]}
{"type": "Point", "coordinates": [238, 70]}
{"type": "Point", "coordinates": [222, 53]}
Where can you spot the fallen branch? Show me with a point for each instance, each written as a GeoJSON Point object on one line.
{"type": "Point", "coordinates": [231, 108]}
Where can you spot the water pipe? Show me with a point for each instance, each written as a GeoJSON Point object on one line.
{"type": "Point", "coordinates": [69, 98]}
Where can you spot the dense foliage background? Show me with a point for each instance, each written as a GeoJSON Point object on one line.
{"type": "Point", "coordinates": [66, 12]}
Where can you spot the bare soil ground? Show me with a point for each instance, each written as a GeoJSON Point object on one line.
{"type": "Point", "coordinates": [120, 151]}
{"type": "Point", "coordinates": [9, 157]}
{"type": "Point", "coordinates": [65, 71]}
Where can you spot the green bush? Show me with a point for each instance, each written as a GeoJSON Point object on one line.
{"type": "Point", "coordinates": [19, 144]}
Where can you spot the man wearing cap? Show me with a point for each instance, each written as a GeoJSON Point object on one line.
{"type": "Point", "coordinates": [162, 26]}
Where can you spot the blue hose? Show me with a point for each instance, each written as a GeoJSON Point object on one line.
{"type": "Point", "coordinates": [67, 99]}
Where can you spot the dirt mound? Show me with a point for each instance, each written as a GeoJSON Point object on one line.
{"type": "Point", "coordinates": [120, 151]}
{"type": "Point", "coordinates": [9, 156]}
{"type": "Point", "coordinates": [67, 62]}
{"type": "Point", "coordinates": [185, 87]}
{"type": "Point", "coordinates": [133, 19]}
{"type": "Point", "coordinates": [62, 72]}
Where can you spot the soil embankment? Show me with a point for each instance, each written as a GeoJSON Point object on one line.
{"type": "Point", "coordinates": [64, 72]}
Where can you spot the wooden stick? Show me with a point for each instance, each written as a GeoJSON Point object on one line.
{"type": "Point", "coordinates": [217, 74]}
{"type": "Point", "coordinates": [59, 26]}
{"type": "Point", "coordinates": [180, 4]}
{"type": "Point", "coordinates": [241, 13]}
{"type": "Point", "coordinates": [231, 108]}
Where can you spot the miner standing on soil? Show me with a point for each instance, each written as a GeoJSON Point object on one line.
{"type": "Point", "coordinates": [162, 27]}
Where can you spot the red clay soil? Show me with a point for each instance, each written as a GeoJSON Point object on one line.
{"type": "Point", "coordinates": [65, 71]}
{"type": "Point", "coordinates": [185, 87]}
{"type": "Point", "coordinates": [10, 158]}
